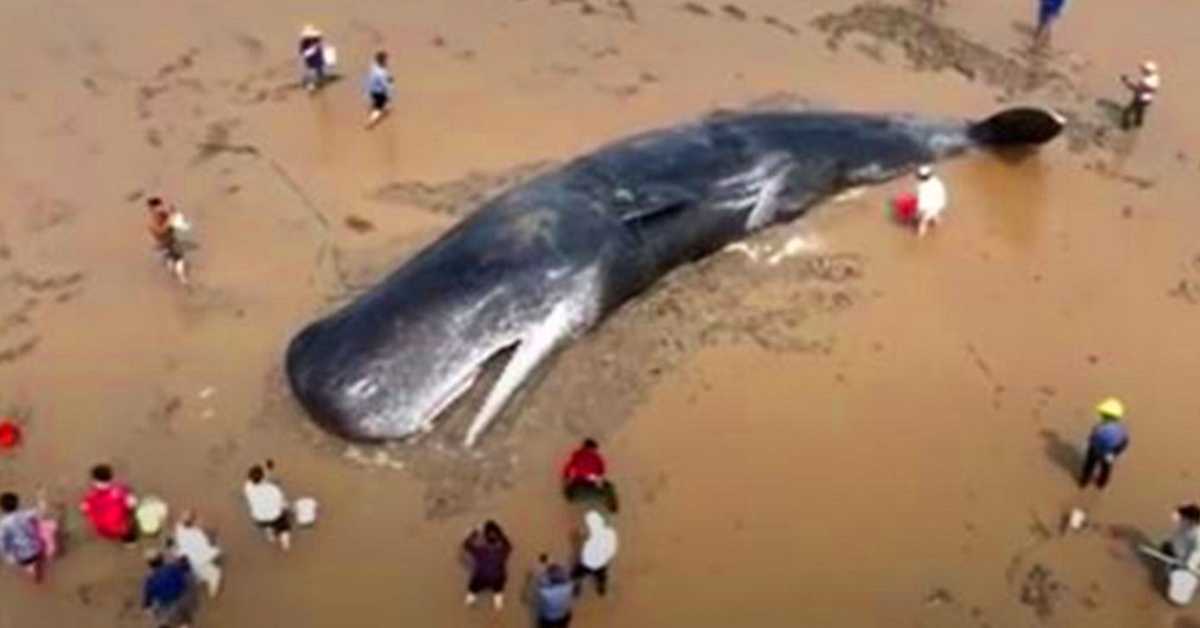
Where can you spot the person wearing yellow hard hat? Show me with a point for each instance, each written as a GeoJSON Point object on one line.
{"type": "Point", "coordinates": [1108, 440]}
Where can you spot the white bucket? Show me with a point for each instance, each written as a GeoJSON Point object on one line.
{"type": "Point", "coordinates": [305, 509]}
{"type": "Point", "coordinates": [1182, 586]}
{"type": "Point", "coordinates": [330, 54]}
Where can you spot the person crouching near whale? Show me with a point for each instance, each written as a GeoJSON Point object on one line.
{"type": "Point", "coordinates": [584, 476]}
{"type": "Point", "coordinates": [488, 549]}
{"type": "Point", "coordinates": [268, 505]}
{"type": "Point", "coordinates": [931, 199]}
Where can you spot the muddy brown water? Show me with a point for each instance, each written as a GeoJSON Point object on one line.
{"type": "Point", "coordinates": [878, 431]}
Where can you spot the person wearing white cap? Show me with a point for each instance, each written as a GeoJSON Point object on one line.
{"type": "Point", "coordinates": [931, 199]}
{"type": "Point", "coordinates": [1144, 89]}
{"type": "Point", "coordinates": [312, 55]}
{"type": "Point", "coordinates": [599, 548]}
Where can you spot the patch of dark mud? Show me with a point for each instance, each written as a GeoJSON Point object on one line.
{"type": "Point", "coordinates": [930, 46]}
{"type": "Point", "coordinates": [1188, 288]}
{"type": "Point", "coordinates": [460, 196]}
{"type": "Point", "coordinates": [776, 23]}
{"type": "Point", "coordinates": [1041, 591]}
{"type": "Point", "coordinates": [218, 141]}
{"type": "Point", "coordinates": [358, 224]}
{"type": "Point", "coordinates": [617, 9]}
{"type": "Point", "coordinates": [735, 12]}
{"type": "Point", "coordinates": [696, 9]}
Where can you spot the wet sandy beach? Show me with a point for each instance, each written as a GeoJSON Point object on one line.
{"type": "Point", "coordinates": [876, 431]}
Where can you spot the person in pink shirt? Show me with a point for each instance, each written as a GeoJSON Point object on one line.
{"type": "Point", "coordinates": [109, 505]}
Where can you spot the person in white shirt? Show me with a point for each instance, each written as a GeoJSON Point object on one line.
{"type": "Point", "coordinates": [931, 199]}
{"type": "Point", "coordinates": [599, 549]}
{"type": "Point", "coordinates": [268, 506]}
{"type": "Point", "coordinates": [1144, 89]}
{"type": "Point", "coordinates": [193, 543]}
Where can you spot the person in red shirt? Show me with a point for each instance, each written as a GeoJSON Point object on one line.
{"type": "Point", "coordinates": [109, 505]}
{"type": "Point", "coordinates": [584, 476]}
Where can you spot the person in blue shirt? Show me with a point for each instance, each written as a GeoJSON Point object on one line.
{"type": "Point", "coordinates": [1048, 12]}
{"type": "Point", "coordinates": [168, 593]}
{"type": "Point", "coordinates": [379, 88]}
{"type": "Point", "coordinates": [1107, 441]}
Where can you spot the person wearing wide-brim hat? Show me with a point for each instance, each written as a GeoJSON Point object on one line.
{"type": "Point", "coordinates": [312, 54]}
{"type": "Point", "coordinates": [1108, 440]}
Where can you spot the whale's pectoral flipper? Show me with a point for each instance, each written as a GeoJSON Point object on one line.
{"type": "Point", "coordinates": [531, 350]}
{"type": "Point", "coordinates": [1019, 126]}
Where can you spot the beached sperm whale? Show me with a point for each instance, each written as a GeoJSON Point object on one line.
{"type": "Point", "coordinates": [548, 259]}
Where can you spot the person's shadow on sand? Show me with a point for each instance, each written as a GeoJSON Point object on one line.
{"type": "Point", "coordinates": [1134, 539]}
{"type": "Point", "coordinates": [1062, 452]}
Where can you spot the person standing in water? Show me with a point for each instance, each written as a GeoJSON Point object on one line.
{"type": "Point", "coordinates": [931, 199]}
{"type": "Point", "coordinates": [312, 56]}
{"type": "Point", "coordinates": [379, 88]}
{"type": "Point", "coordinates": [1144, 89]}
{"type": "Point", "coordinates": [488, 549]}
{"type": "Point", "coordinates": [1107, 441]}
{"type": "Point", "coordinates": [166, 223]}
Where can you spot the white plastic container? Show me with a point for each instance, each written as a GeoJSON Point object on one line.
{"type": "Point", "coordinates": [305, 509]}
{"type": "Point", "coordinates": [1181, 587]}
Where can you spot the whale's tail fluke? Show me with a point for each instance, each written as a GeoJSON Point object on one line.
{"type": "Point", "coordinates": [1019, 126]}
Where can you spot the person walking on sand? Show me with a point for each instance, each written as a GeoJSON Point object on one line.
{"type": "Point", "coordinates": [554, 596]}
{"type": "Point", "coordinates": [488, 549]}
{"type": "Point", "coordinates": [583, 476]}
{"type": "Point", "coordinates": [931, 199]}
{"type": "Point", "coordinates": [168, 593]}
{"type": "Point", "coordinates": [312, 56]}
{"type": "Point", "coordinates": [1108, 440]}
{"type": "Point", "coordinates": [268, 506]}
{"type": "Point", "coordinates": [166, 223]}
{"type": "Point", "coordinates": [1048, 13]}
{"type": "Point", "coordinates": [109, 507]}
{"type": "Point", "coordinates": [1144, 90]}
{"type": "Point", "coordinates": [598, 550]}
{"type": "Point", "coordinates": [20, 539]}
{"type": "Point", "coordinates": [194, 544]}
{"type": "Point", "coordinates": [379, 88]}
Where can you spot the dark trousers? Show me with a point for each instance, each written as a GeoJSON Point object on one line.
{"type": "Point", "coordinates": [1134, 113]}
{"type": "Point", "coordinates": [599, 575]}
{"type": "Point", "coordinates": [583, 490]}
{"type": "Point", "coordinates": [1093, 461]}
{"type": "Point", "coordinates": [557, 623]}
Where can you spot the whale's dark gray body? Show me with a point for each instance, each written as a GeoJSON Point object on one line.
{"type": "Point", "coordinates": [545, 261]}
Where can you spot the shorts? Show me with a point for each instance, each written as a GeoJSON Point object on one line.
{"type": "Point", "coordinates": [479, 585]}
{"type": "Point", "coordinates": [379, 101]}
{"type": "Point", "coordinates": [280, 525]}
{"type": "Point", "coordinates": [32, 560]}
